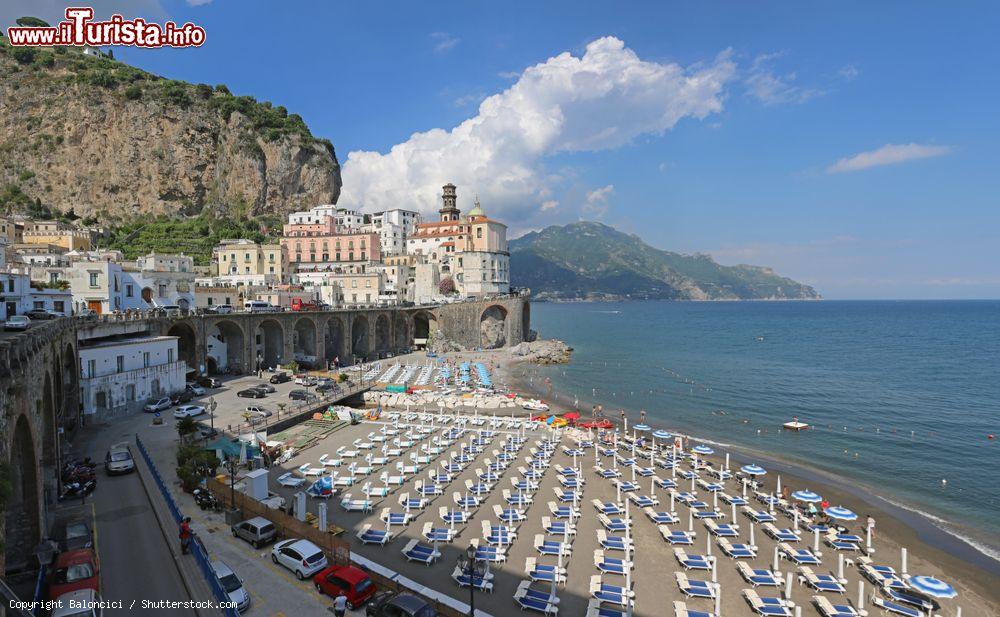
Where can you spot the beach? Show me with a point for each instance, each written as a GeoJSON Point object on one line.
{"type": "Point", "coordinates": [930, 549]}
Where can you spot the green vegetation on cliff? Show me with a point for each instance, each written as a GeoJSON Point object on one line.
{"type": "Point", "coordinates": [590, 260]}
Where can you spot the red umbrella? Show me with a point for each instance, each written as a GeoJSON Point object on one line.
{"type": "Point", "coordinates": [572, 415]}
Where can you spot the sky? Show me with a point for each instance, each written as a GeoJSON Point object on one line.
{"type": "Point", "coordinates": [852, 146]}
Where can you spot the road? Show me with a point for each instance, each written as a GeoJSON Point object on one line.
{"type": "Point", "coordinates": [136, 563]}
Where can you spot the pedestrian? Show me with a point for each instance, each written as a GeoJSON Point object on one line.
{"type": "Point", "coordinates": [340, 604]}
{"type": "Point", "coordinates": [871, 525]}
{"type": "Point", "coordinates": [185, 534]}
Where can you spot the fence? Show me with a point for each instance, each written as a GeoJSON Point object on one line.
{"type": "Point", "coordinates": [197, 548]}
{"type": "Point", "coordinates": [337, 551]}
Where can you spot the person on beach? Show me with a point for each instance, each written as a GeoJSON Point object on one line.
{"type": "Point", "coordinates": [870, 524]}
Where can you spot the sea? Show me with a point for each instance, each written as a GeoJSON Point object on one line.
{"type": "Point", "coordinates": [903, 396]}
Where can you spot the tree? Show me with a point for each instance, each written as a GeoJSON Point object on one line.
{"type": "Point", "coordinates": [185, 427]}
{"type": "Point", "coordinates": [446, 287]}
{"type": "Point", "coordinates": [32, 22]}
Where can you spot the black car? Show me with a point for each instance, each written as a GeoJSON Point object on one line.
{"type": "Point", "coordinates": [301, 395]}
{"type": "Point", "coordinates": [209, 382]}
{"type": "Point", "coordinates": [323, 388]}
{"type": "Point", "coordinates": [75, 534]}
{"type": "Point", "coordinates": [389, 604]}
{"type": "Point", "coordinates": [182, 397]}
{"type": "Point", "coordinates": [252, 393]}
{"type": "Point", "coordinates": [40, 314]}
{"type": "Point", "coordinates": [280, 378]}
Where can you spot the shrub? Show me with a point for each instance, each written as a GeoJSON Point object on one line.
{"type": "Point", "coordinates": [23, 55]}
{"type": "Point", "coordinates": [133, 93]}
{"type": "Point", "coordinates": [104, 79]}
{"type": "Point", "coordinates": [203, 91]}
{"type": "Point", "coordinates": [175, 93]}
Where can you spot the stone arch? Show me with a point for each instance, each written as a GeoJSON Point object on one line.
{"type": "Point", "coordinates": [269, 343]}
{"type": "Point", "coordinates": [424, 324]}
{"type": "Point", "coordinates": [359, 336]}
{"type": "Point", "coordinates": [23, 516]}
{"type": "Point", "coordinates": [493, 327]}
{"type": "Point", "coordinates": [401, 332]}
{"type": "Point", "coordinates": [304, 337]}
{"type": "Point", "coordinates": [226, 343]}
{"type": "Point", "coordinates": [383, 336]}
{"type": "Point", "coordinates": [334, 338]}
{"type": "Point", "coordinates": [187, 343]}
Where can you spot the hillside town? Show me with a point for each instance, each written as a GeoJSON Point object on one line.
{"type": "Point", "coordinates": [325, 257]}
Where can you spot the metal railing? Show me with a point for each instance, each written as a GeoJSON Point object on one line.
{"type": "Point", "coordinates": [197, 548]}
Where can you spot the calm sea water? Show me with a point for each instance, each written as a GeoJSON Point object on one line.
{"type": "Point", "coordinates": [903, 394]}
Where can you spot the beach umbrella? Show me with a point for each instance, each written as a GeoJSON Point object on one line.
{"type": "Point", "coordinates": [753, 470]}
{"type": "Point", "coordinates": [641, 427]}
{"type": "Point", "coordinates": [807, 496]}
{"type": "Point", "coordinates": [702, 449]}
{"type": "Point", "coordinates": [932, 586]}
{"type": "Point", "coordinates": [841, 513]}
{"type": "Point", "coordinates": [658, 434]}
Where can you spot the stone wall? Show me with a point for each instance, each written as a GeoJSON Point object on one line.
{"type": "Point", "coordinates": [485, 324]}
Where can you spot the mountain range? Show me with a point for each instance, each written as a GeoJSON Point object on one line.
{"type": "Point", "coordinates": [593, 261]}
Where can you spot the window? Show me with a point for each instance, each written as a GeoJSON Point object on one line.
{"type": "Point", "coordinates": [145, 359]}
{"type": "Point", "coordinates": [368, 283]}
{"type": "Point", "coordinates": [354, 283]}
{"type": "Point", "coordinates": [121, 363]}
{"type": "Point", "coordinates": [91, 368]}
{"type": "Point", "coordinates": [59, 306]}
{"type": "Point", "coordinates": [163, 291]}
{"type": "Point", "coordinates": [93, 280]}
{"type": "Point", "coordinates": [246, 256]}
{"type": "Point", "coordinates": [170, 355]}
{"type": "Point", "coordinates": [53, 277]}
{"type": "Point", "coordinates": [210, 301]}
{"type": "Point", "coordinates": [479, 232]}
{"type": "Point", "coordinates": [39, 304]}
{"type": "Point", "coordinates": [129, 291]}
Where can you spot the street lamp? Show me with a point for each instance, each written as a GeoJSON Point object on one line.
{"type": "Point", "coordinates": [212, 405]}
{"type": "Point", "coordinates": [474, 570]}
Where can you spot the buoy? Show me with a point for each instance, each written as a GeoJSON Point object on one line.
{"type": "Point", "coordinates": [991, 437]}
{"type": "Point", "coordinates": [944, 481]}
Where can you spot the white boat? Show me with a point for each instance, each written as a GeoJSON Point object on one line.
{"type": "Point", "coordinates": [535, 405]}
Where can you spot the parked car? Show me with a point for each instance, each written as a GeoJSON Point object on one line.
{"type": "Point", "coordinates": [224, 309]}
{"type": "Point", "coordinates": [300, 556]}
{"type": "Point", "coordinates": [79, 603]}
{"type": "Point", "coordinates": [209, 382]}
{"type": "Point", "coordinates": [119, 460]}
{"type": "Point", "coordinates": [259, 412]}
{"type": "Point", "coordinates": [266, 387]}
{"type": "Point", "coordinates": [86, 313]}
{"type": "Point", "coordinates": [353, 582]}
{"type": "Point", "coordinates": [258, 531]}
{"type": "Point", "coordinates": [305, 380]}
{"type": "Point", "coordinates": [155, 405]}
{"type": "Point", "coordinates": [195, 388]}
{"type": "Point", "coordinates": [280, 378]}
{"type": "Point", "coordinates": [75, 534]}
{"type": "Point", "coordinates": [232, 584]}
{"type": "Point", "coordinates": [327, 387]}
{"type": "Point", "coordinates": [40, 314]}
{"type": "Point", "coordinates": [188, 411]}
{"type": "Point", "coordinates": [17, 322]}
{"type": "Point", "coordinates": [73, 571]}
{"type": "Point", "coordinates": [171, 309]}
{"type": "Point", "coordinates": [389, 604]}
{"type": "Point", "coordinates": [251, 393]}
{"type": "Point", "coordinates": [301, 395]}
{"type": "Point", "coordinates": [184, 396]}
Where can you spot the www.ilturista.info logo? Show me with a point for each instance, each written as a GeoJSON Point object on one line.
{"type": "Point", "coordinates": [81, 29]}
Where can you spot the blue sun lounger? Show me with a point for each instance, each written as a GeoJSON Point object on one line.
{"type": "Point", "coordinates": [594, 609]}
{"type": "Point", "coordinates": [737, 551]}
{"type": "Point", "coordinates": [551, 547]}
{"type": "Point", "coordinates": [665, 483]}
{"type": "Point", "coordinates": [685, 538]}
{"type": "Point", "coordinates": [610, 565]}
{"type": "Point", "coordinates": [721, 530]}
{"type": "Point", "coordinates": [557, 528]}
{"type": "Point", "coordinates": [414, 551]}
{"type": "Point", "coordinates": [801, 556]}
{"type": "Point", "coordinates": [544, 573]}
{"type": "Point", "coordinates": [644, 501]}
{"type": "Point", "coordinates": [453, 516]}
{"type": "Point", "coordinates": [607, 508]}
{"type": "Point", "coordinates": [692, 562]}
{"type": "Point", "coordinates": [562, 511]}
{"type": "Point", "coordinates": [566, 496]}
{"type": "Point", "coordinates": [482, 583]}
{"type": "Point", "coordinates": [694, 588]}
{"type": "Point", "coordinates": [607, 592]}
{"type": "Point", "coordinates": [769, 607]}
{"type": "Point", "coordinates": [820, 582]}
{"type": "Point", "coordinates": [367, 535]}
{"type": "Point", "coordinates": [681, 610]}
{"type": "Point", "coordinates": [781, 535]}
{"type": "Point", "coordinates": [758, 577]}
{"type": "Point", "coordinates": [492, 554]}
{"type": "Point", "coordinates": [895, 608]}
{"type": "Point", "coordinates": [438, 534]}
{"type": "Point", "coordinates": [828, 609]}
{"type": "Point", "coordinates": [661, 518]}
{"type": "Point", "coordinates": [615, 524]}
{"type": "Point", "coordinates": [903, 596]}
{"type": "Point", "coordinates": [535, 600]}
{"type": "Point", "coordinates": [612, 543]}
{"type": "Point", "coordinates": [760, 517]}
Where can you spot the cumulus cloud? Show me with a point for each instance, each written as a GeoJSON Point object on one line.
{"type": "Point", "coordinates": [767, 86]}
{"type": "Point", "coordinates": [602, 99]}
{"type": "Point", "coordinates": [849, 72]}
{"type": "Point", "coordinates": [549, 204]}
{"type": "Point", "coordinates": [596, 204]}
{"type": "Point", "coordinates": [889, 154]}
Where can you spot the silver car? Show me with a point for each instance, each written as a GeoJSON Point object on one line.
{"type": "Point", "coordinates": [300, 556]}
{"type": "Point", "coordinates": [232, 584]}
{"type": "Point", "coordinates": [119, 460]}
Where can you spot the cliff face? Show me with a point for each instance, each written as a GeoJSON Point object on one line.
{"type": "Point", "coordinates": [114, 142]}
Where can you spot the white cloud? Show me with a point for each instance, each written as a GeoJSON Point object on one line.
{"type": "Point", "coordinates": [444, 42]}
{"type": "Point", "coordinates": [508, 74]}
{"type": "Point", "coordinates": [770, 88]}
{"type": "Point", "coordinates": [198, 2]}
{"type": "Point", "coordinates": [549, 204]}
{"type": "Point", "coordinates": [603, 99]}
{"type": "Point", "coordinates": [889, 154]}
{"type": "Point", "coordinates": [849, 72]}
{"type": "Point", "coordinates": [596, 204]}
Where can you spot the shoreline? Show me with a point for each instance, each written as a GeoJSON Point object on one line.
{"type": "Point", "coordinates": [930, 546]}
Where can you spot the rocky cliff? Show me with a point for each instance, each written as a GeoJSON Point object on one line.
{"type": "Point", "coordinates": [114, 142]}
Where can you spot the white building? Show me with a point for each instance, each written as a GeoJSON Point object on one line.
{"type": "Point", "coordinates": [17, 296]}
{"type": "Point", "coordinates": [393, 227]}
{"type": "Point", "coordinates": [481, 273]}
{"type": "Point", "coordinates": [345, 219]}
{"type": "Point", "coordinates": [122, 375]}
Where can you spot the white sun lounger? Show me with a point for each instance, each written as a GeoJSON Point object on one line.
{"type": "Point", "coordinates": [287, 479]}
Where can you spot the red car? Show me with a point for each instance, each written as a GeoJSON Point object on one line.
{"type": "Point", "coordinates": [75, 570]}
{"type": "Point", "coordinates": [354, 582]}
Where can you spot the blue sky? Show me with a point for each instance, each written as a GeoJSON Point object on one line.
{"type": "Point", "coordinates": [851, 146]}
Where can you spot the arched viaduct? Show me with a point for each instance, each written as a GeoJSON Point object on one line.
{"type": "Point", "coordinates": [40, 392]}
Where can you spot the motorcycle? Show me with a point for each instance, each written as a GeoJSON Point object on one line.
{"type": "Point", "coordinates": [206, 500]}
{"type": "Point", "coordinates": [77, 490]}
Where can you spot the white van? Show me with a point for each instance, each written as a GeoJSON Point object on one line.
{"type": "Point", "coordinates": [257, 306]}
